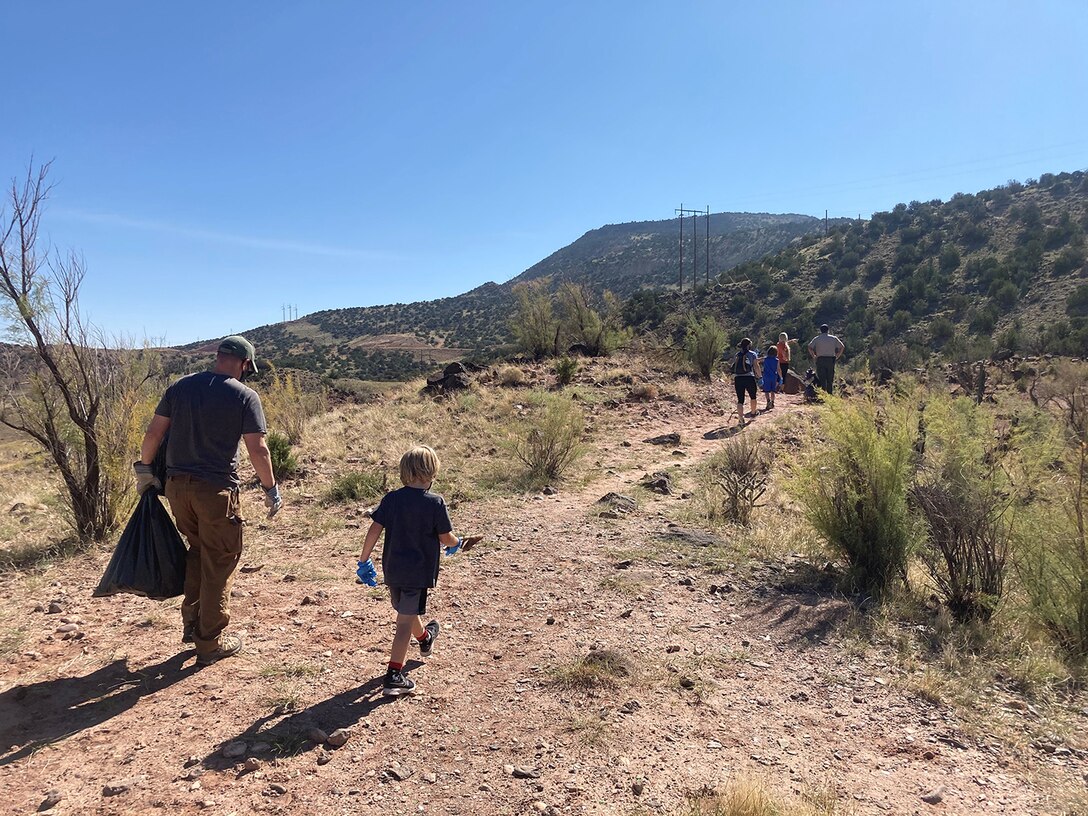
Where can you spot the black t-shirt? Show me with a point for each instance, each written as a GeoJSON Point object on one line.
{"type": "Point", "coordinates": [208, 415]}
{"type": "Point", "coordinates": [413, 519]}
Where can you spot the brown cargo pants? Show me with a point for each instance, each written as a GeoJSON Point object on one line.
{"type": "Point", "coordinates": [208, 517]}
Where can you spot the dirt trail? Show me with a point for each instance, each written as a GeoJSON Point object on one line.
{"type": "Point", "coordinates": [749, 679]}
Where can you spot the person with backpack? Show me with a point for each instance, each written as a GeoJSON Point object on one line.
{"type": "Point", "coordinates": [745, 368]}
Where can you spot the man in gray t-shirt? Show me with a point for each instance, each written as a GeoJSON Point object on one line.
{"type": "Point", "coordinates": [825, 349]}
{"type": "Point", "coordinates": [207, 415]}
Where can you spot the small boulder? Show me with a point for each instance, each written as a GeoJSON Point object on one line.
{"type": "Point", "coordinates": [234, 750]}
{"type": "Point", "coordinates": [339, 737]}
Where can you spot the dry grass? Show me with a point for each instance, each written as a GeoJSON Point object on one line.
{"type": "Point", "coordinates": [596, 671]}
{"type": "Point", "coordinates": [32, 523]}
{"type": "Point", "coordinates": [749, 796]}
{"type": "Point", "coordinates": [511, 377]}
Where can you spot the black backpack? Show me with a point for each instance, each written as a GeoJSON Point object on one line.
{"type": "Point", "coordinates": [742, 364]}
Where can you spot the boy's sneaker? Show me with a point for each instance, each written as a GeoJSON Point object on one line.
{"type": "Point", "coordinates": [396, 684]}
{"type": "Point", "coordinates": [426, 644]}
{"type": "Point", "coordinates": [229, 645]}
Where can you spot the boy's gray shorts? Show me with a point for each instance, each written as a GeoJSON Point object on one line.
{"type": "Point", "coordinates": [409, 601]}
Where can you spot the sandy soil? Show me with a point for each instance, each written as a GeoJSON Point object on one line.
{"type": "Point", "coordinates": [753, 679]}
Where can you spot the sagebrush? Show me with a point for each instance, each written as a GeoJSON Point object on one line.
{"type": "Point", "coordinates": [854, 487]}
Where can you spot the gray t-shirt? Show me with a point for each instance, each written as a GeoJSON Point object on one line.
{"type": "Point", "coordinates": [413, 519]}
{"type": "Point", "coordinates": [826, 345]}
{"type": "Point", "coordinates": [208, 415]}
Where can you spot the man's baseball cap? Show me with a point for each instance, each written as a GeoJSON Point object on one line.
{"type": "Point", "coordinates": [239, 347]}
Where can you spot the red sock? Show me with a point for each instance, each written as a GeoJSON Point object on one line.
{"type": "Point", "coordinates": [395, 666]}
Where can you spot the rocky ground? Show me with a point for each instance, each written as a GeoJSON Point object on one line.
{"type": "Point", "coordinates": [706, 674]}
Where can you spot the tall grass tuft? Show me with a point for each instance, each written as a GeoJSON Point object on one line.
{"type": "Point", "coordinates": [284, 462]}
{"type": "Point", "coordinates": [854, 488]}
{"type": "Point", "coordinates": [554, 441]}
{"type": "Point", "coordinates": [704, 344]}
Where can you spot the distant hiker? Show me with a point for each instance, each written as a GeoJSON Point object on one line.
{"type": "Point", "coordinates": [745, 369]}
{"type": "Point", "coordinates": [207, 415]}
{"type": "Point", "coordinates": [770, 379]}
{"type": "Point", "coordinates": [825, 349]}
{"type": "Point", "coordinates": [415, 522]}
{"type": "Point", "coordinates": [784, 354]}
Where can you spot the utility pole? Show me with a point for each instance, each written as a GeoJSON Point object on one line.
{"type": "Point", "coordinates": [681, 220]}
{"type": "Point", "coordinates": [283, 312]}
{"type": "Point", "coordinates": [708, 245]}
{"type": "Point", "coordinates": [694, 253]}
{"type": "Point", "coordinates": [825, 222]}
{"type": "Point", "coordinates": [682, 213]}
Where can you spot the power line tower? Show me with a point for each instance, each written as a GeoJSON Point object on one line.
{"type": "Point", "coordinates": [682, 214]}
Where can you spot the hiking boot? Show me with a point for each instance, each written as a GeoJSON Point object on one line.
{"type": "Point", "coordinates": [396, 684]}
{"type": "Point", "coordinates": [229, 645]}
{"type": "Point", "coordinates": [426, 643]}
{"type": "Point", "coordinates": [188, 631]}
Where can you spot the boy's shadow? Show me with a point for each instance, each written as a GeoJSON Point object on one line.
{"type": "Point", "coordinates": [289, 736]}
{"type": "Point", "coordinates": [38, 714]}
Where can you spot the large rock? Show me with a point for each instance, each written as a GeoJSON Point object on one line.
{"type": "Point", "coordinates": [618, 502]}
{"type": "Point", "coordinates": [446, 383]}
{"type": "Point", "coordinates": [672, 439]}
{"type": "Point", "coordinates": [792, 384]}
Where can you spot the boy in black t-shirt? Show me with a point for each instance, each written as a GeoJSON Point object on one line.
{"type": "Point", "coordinates": [416, 523]}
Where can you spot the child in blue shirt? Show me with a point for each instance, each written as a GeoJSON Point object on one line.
{"type": "Point", "coordinates": [771, 378]}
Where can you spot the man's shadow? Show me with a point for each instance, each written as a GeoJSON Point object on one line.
{"type": "Point", "coordinates": [290, 736]}
{"type": "Point", "coordinates": [36, 715]}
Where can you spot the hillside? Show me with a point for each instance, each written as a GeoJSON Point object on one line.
{"type": "Point", "coordinates": [406, 339]}
{"type": "Point", "coordinates": [1001, 270]}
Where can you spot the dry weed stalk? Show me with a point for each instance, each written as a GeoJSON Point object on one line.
{"type": "Point", "coordinates": [742, 472]}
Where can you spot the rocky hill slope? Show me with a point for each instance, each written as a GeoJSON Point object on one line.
{"type": "Point", "coordinates": [1003, 269]}
{"type": "Point", "coordinates": [406, 339]}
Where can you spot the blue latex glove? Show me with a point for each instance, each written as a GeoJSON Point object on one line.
{"type": "Point", "coordinates": [456, 548]}
{"type": "Point", "coordinates": [366, 572]}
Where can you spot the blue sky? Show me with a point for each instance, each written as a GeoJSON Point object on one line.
{"type": "Point", "coordinates": [213, 161]}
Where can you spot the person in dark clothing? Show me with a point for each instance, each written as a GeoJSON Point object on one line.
{"type": "Point", "coordinates": [416, 524]}
{"type": "Point", "coordinates": [207, 415]}
{"type": "Point", "coordinates": [745, 370]}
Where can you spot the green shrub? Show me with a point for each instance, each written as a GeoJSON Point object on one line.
{"type": "Point", "coordinates": [706, 340]}
{"type": "Point", "coordinates": [553, 443]}
{"type": "Point", "coordinates": [1053, 561]}
{"type": "Point", "coordinates": [565, 369]}
{"type": "Point", "coordinates": [284, 463]}
{"type": "Point", "coordinates": [855, 488]}
{"type": "Point", "coordinates": [356, 486]}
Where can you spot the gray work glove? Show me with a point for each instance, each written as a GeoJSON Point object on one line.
{"type": "Point", "coordinates": [145, 478]}
{"type": "Point", "coordinates": [272, 500]}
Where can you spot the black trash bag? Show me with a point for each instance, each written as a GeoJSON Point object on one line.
{"type": "Point", "coordinates": [150, 557]}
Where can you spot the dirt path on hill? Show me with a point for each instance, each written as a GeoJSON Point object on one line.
{"type": "Point", "coordinates": [735, 674]}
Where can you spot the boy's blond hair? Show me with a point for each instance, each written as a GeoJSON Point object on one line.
{"type": "Point", "coordinates": [419, 465]}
